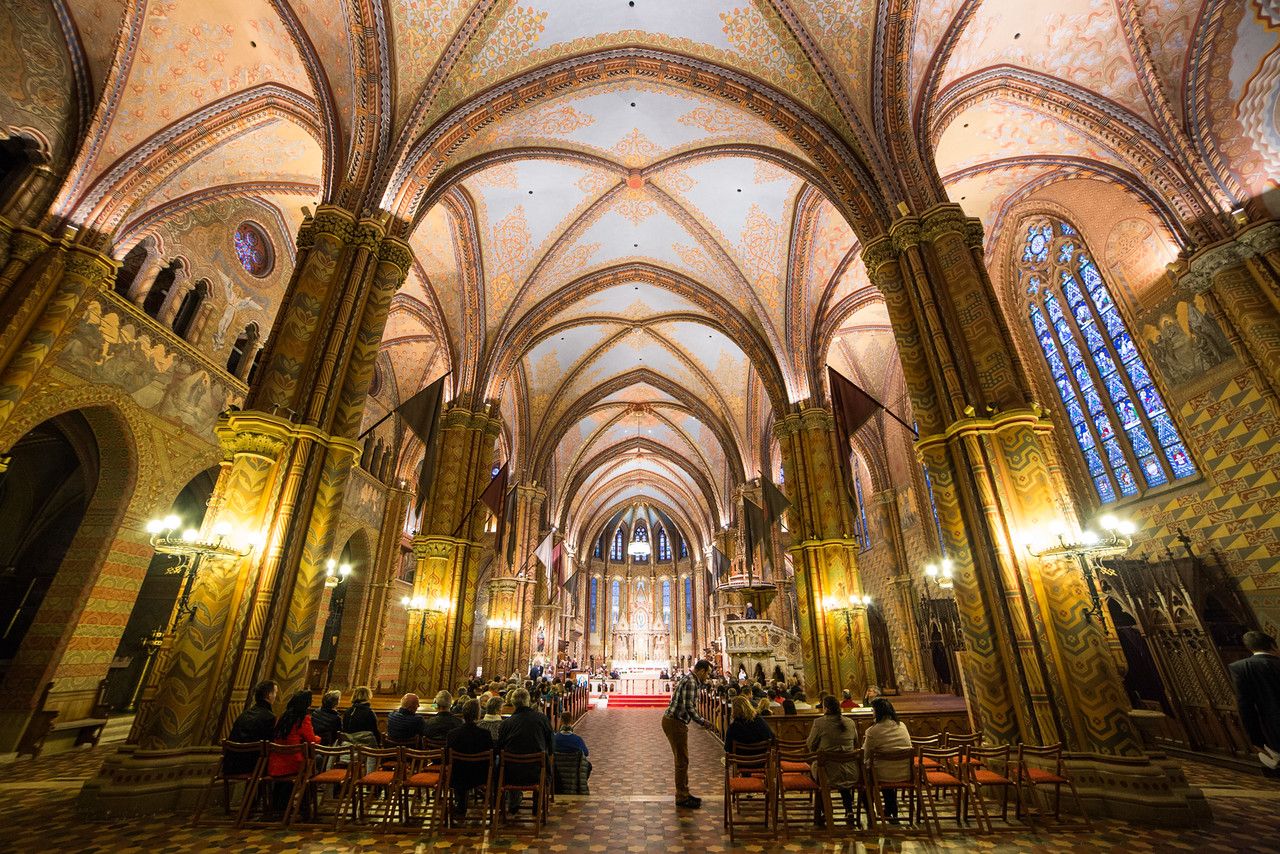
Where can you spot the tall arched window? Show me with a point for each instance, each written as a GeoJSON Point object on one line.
{"type": "Point", "coordinates": [641, 534]}
{"type": "Point", "coordinates": [684, 548]}
{"type": "Point", "coordinates": [688, 605]}
{"type": "Point", "coordinates": [1097, 368]}
{"type": "Point", "coordinates": [664, 545]}
{"type": "Point", "coordinates": [666, 603]}
{"type": "Point", "coordinates": [619, 544]}
{"type": "Point", "coordinates": [591, 610]}
{"type": "Point", "coordinates": [860, 531]}
{"type": "Point", "coordinates": [615, 602]}
{"type": "Point", "coordinates": [599, 551]}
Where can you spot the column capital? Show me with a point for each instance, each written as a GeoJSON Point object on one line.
{"type": "Point", "coordinates": [943, 219]}
{"type": "Point", "coordinates": [89, 264]}
{"type": "Point", "coordinates": [266, 435]}
{"type": "Point", "coordinates": [809, 418]}
{"type": "Point", "coordinates": [1205, 265]}
{"type": "Point", "coordinates": [436, 547]}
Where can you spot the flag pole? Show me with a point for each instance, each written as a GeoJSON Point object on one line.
{"type": "Point", "coordinates": [885, 409]}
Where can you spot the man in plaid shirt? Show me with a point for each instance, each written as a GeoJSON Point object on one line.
{"type": "Point", "coordinates": [675, 725]}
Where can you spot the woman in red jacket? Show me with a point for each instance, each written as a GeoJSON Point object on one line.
{"type": "Point", "coordinates": [293, 727]}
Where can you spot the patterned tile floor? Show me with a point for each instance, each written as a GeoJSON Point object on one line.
{"type": "Point", "coordinates": [629, 810]}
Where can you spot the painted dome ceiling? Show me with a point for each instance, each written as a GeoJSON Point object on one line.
{"type": "Point", "coordinates": [636, 224]}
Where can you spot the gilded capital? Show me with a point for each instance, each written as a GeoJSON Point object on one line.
{"type": "Point", "coordinates": [367, 235]}
{"type": "Point", "coordinates": [94, 267]}
{"type": "Point", "coordinates": [438, 548]}
{"type": "Point", "coordinates": [944, 219]}
{"type": "Point", "coordinates": [28, 244]}
{"type": "Point", "coordinates": [905, 233]}
{"type": "Point", "coordinates": [334, 221]}
{"type": "Point", "coordinates": [397, 253]}
{"type": "Point", "coordinates": [877, 255]}
{"type": "Point", "coordinates": [251, 433]}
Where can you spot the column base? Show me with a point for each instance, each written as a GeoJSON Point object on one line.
{"type": "Point", "coordinates": [142, 782]}
{"type": "Point", "coordinates": [1149, 789]}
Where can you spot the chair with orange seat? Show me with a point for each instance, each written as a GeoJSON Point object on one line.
{"type": "Point", "coordinates": [907, 781]}
{"type": "Point", "coordinates": [525, 773]}
{"type": "Point", "coordinates": [285, 765]}
{"type": "Point", "coordinates": [947, 777]}
{"type": "Point", "coordinates": [327, 766]}
{"type": "Point", "coordinates": [931, 741]}
{"type": "Point", "coordinates": [748, 791]}
{"type": "Point", "coordinates": [424, 780]}
{"type": "Point", "coordinates": [464, 764]}
{"type": "Point", "coordinates": [793, 776]}
{"type": "Point", "coordinates": [1032, 771]}
{"type": "Point", "coordinates": [990, 767]}
{"type": "Point", "coordinates": [241, 762]}
{"type": "Point", "coordinates": [828, 758]}
{"type": "Point", "coordinates": [380, 783]}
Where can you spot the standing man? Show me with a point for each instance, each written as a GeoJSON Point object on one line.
{"type": "Point", "coordinates": [675, 725]}
{"type": "Point", "coordinates": [1257, 680]}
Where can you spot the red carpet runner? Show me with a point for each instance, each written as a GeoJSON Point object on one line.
{"type": "Point", "coordinates": [638, 701]}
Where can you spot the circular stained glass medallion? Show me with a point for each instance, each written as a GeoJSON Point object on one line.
{"type": "Point", "coordinates": [253, 249]}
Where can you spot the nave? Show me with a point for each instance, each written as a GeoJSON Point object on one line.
{"type": "Point", "coordinates": [629, 809]}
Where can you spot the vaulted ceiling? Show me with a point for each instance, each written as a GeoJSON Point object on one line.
{"type": "Point", "coordinates": [636, 224]}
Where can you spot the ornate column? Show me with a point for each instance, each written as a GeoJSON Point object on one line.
{"type": "Point", "coordinates": [1040, 672]}
{"type": "Point", "coordinates": [146, 278]}
{"type": "Point", "coordinates": [449, 551]}
{"type": "Point", "coordinates": [835, 643]}
{"type": "Point", "coordinates": [183, 284]}
{"type": "Point", "coordinates": [372, 615]}
{"type": "Point", "coordinates": [901, 607]}
{"type": "Point", "coordinates": [500, 641]}
{"type": "Point", "coordinates": [22, 246]}
{"type": "Point", "coordinates": [48, 298]}
{"type": "Point", "coordinates": [529, 500]}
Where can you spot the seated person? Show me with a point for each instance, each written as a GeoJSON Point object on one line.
{"type": "Point", "coordinates": [746, 729]}
{"type": "Point", "coordinates": [325, 720]}
{"type": "Point", "coordinates": [293, 727]}
{"type": "Point", "coordinates": [788, 706]}
{"type": "Point", "coordinates": [832, 732]}
{"type": "Point", "coordinates": [846, 701]}
{"type": "Point", "coordinates": [405, 725]}
{"type": "Point", "coordinates": [568, 741]}
{"type": "Point", "coordinates": [443, 721]}
{"type": "Point", "coordinates": [526, 731]}
{"type": "Point", "coordinates": [256, 723]}
{"type": "Point", "coordinates": [801, 701]}
{"type": "Point", "coordinates": [360, 723]}
{"type": "Point", "coordinates": [870, 696]}
{"type": "Point", "coordinates": [493, 716]}
{"type": "Point", "coordinates": [887, 734]}
{"type": "Point", "coordinates": [467, 738]}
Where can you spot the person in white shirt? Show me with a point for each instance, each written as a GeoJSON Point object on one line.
{"type": "Point", "coordinates": [886, 735]}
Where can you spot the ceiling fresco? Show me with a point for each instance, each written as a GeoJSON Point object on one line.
{"type": "Point", "coordinates": [636, 225]}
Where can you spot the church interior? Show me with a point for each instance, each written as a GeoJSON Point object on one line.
{"type": "Point", "coordinates": [921, 350]}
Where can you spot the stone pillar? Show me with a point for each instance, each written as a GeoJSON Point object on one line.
{"type": "Point", "coordinates": [901, 609]}
{"type": "Point", "coordinates": [1039, 670]}
{"type": "Point", "coordinates": [835, 640]}
{"type": "Point", "coordinates": [500, 642]}
{"type": "Point", "coordinates": [449, 551]}
{"type": "Point", "coordinates": [146, 278]}
{"type": "Point", "coordinates": [371, 616]}
{"type": "Point", "coordinates": [22, 247]}
{"type": "Point", "coordinates": [529, 500]}
{"type": "Point", "coordinates": [280, 494]}
{"type": "Point", "coordinates": [252, 348]}
{"type": "Point", "coordinates": [183, 284]}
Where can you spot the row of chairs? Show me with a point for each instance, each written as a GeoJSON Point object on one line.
{"type": "Point", "coordinates": [784, 784]}
{"type": "Point", "coordinates": [398, 784]}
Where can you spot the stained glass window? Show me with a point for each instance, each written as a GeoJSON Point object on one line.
{"type": "Point", "coordinates": [615, 602]}
{"type": "Point", "coordinates": [253, 249]}
{"type": "Point", "coordinates": [664, 545]}
{"type": "Point", "coordinates": [599, 552]}
{"type": "Point", "coordinates": [641, 533]}
{"type": "Point", "coordinates": [688, 605]}
{"type": "Point", "coordinates": [1117, 416]}
{"type": "Point", "coordinates": [684, 548]}
{"type": "Point", "coordinates": [666, 602]}
{"type": "Point", "coordinates": [616, 552]}
{"type": "Point", "coordinates": [860, 532]}
{"type": "Point", "coordinates": [591, 609]}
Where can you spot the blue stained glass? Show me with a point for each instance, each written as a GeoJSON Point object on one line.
{"type": "Point", "coordinates": [1037, 243]}
{"type": "Point", "coordinates": [1082, 314]}
{"type": "Point", "coordinates": [1094, 461]}
{"type": "Point", "coordinates": [1069, 347]}
{"type": "Point", "coordinates": [1103, 423]}
{"type": "Point", "coordinates": [1033, 283]}
{"type": "Point", "coordinates": [1115, 326]}
{"type": "Point", "coordinates": [1064, 387]}
{"type": "Point", "coordinates": [1074, 412]}
{"type": "Point", "coordinates": [1055, 310]}
{"type": "Point", "coordinates": [1125, 347]}
{"type": "Point", "coordinates": [1055, 362]}
{"type": "Point", "coordinates": [1138, 373]}
{"type": "Point", "coordinates": [1166, 434]}
{"type": "Point", "coordinates": [1066, 229]}
{"type": "Point", "coordinates": [1125, 478]}
{"type": "Point", "coordinates": [1180, 461]}
{"type": "Point", "coordinates": [666, 603]}
{"type": "Point", "coordinates": [1114, 453]}
{"type": "Point", "coordinates": [1106, 366]}
{"type": "Point", "coordinates": [591, 612]}
{"type": "Point", "coordinates": [1139, 440]}
{"type": "Point", "coordinates": [1151, 470]}
{"type": "Point", "coordinates": [1092, 279]}
{"type": "Point", "coordinates": [688, 604]}
{"type": "Point", "coordinates": [1071, 290]}
{"type": "Point", "coordinates": [1092, 400]}
{"type": "Point", "coordinates": [1082, 376]}
{"type": "Point", "coordinates": [1151, 400]}
{"type": "Point", "coordinates": [1115, 386]}
{"type": "Point", "coordinates": [1083, 436]}
{"type": "Point", "coordinates": [1065, 252]}
{"type": "Point", "coordinates": [1105, 492]}
{"type": "Point", "coordinates": [1127, 411]}
{"type": "Point", "coordinates": [1046, 342]}
{"type": "Point", "coordinates": [1092, 337]}
{"type": "Point", "coordinates": [1037, 319]}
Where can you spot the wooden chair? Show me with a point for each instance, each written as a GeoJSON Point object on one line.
{"type": "Point", "coordinates": [963, 740]}
{"type": "Point", "coordinates": [745, 776]}
{"type": "Point", "coordinates": [363, 782]}
{"type": "Point", "coordinates": [793, 775]}
{"type": "Point", "coordinates": [326, 766]}
{"type": "Point", "coordinates": [1034, 774]}
{"type": "Point", "coordinates": [251, 755]}
{"type": "Point", "coordinates": [910, 784]}
{"type": "Point", "coordinates": [948, 778]}
{"type": "Point", "coordinates": [425, 776]}
{"type": "Point", "coordinates": [989, 767]}
{"type": "Point", "coordinates": [931, 741]}
{"type": "Point", "coordinates": [266, 782]}
{"type": "Point", "coordinates": [508, 764]}
{"type": "Point", "coordinates": [860, 799]}
{"type": "Point", "coordinates": [484, 759]}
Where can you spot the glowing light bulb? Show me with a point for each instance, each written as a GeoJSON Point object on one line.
{"type": "Point", "coordinates": [171, 522]}
{"type": "Point", "coordinates": [155, 526]}
{"type": "Point", "coordinates": [190, 535]}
